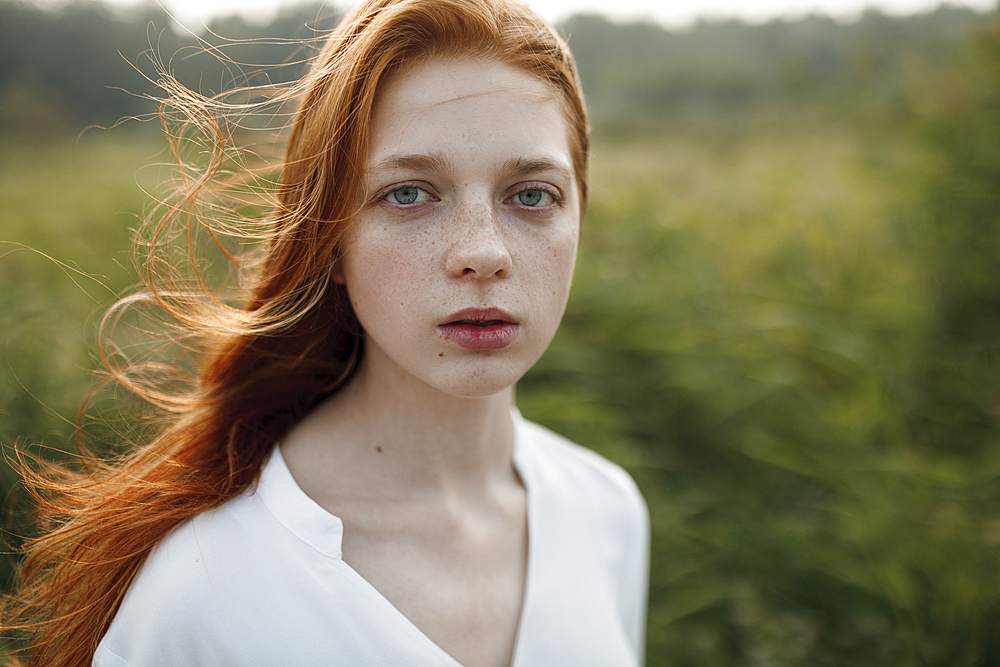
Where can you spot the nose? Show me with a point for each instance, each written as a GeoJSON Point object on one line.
{"type": "Point", "coordinates": [479, 251]}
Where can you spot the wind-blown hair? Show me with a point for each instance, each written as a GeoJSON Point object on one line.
{"type": "Point", "coordinates": [242, 366]}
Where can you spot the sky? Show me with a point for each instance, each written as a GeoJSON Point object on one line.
{"type": "Point", "coordinates": [674, 13]}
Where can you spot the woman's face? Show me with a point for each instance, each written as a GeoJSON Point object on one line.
{"type": "Point", "coordinates": [459, 263]}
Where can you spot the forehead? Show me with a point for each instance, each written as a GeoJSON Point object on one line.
{"type": "Point", "coordinates": [468, 107]}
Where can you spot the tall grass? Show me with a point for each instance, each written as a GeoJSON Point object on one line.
{"type": "Point", "coordinates": [747, 331]}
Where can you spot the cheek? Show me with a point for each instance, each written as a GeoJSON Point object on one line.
{"type": "Point", "coordinates": [557, 259]}
{"type": "Point", "coordinates": [549, 271]}
{"type": "Point", "coordinates": [382, 276]}
{"type": "Point", "coordinates": [565, 253]}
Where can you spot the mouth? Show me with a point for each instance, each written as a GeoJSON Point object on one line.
{"type": "Point", "coordinates": [480, 328]}
{"type": "Point", "coordinates": [480, 317]}
{"type": "Point", "coordinates": [480, 323]}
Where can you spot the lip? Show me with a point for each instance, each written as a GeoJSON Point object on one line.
{"type": "Point", "coordinates": [480, 328]}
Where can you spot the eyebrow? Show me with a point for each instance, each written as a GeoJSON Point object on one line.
{"type": "Point", "coordinates": [440, 163]}
{"type": "Point", "coordinates": [416, 162]}
{"type": "Point", "coordinates": [523, 166]}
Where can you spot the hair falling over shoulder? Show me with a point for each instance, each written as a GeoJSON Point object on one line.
{"type": "Point", "coordinates": [222, 372]}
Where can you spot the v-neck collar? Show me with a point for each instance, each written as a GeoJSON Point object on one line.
{"type": "Point", "coordinates": [324, 532]}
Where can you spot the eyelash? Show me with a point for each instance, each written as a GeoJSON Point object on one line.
{"type": "Point", "coordinates": [557, 199]}
{"type": "Point", "coordinates": [383, 196]}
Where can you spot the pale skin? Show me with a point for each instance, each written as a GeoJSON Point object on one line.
{"type": "Point", "coordinates": [471, 202]}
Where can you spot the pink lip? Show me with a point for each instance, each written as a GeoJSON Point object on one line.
{"type": "Point", "coordinates": [496, 332]}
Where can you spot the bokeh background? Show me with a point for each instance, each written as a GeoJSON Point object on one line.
{"type": "Point", "coordinates": [784, 323]}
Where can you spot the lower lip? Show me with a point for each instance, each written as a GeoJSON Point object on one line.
{"type": "Point", "coordinates": [471, 337]}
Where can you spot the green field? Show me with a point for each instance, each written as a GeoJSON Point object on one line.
{"type": "Point", "coordinates": [747, 334]}
{"type": "Point", "coordinates": [749, 317]}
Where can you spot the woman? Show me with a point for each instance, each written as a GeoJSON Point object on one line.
{"type": "Point", "coordinates": [348, 482]}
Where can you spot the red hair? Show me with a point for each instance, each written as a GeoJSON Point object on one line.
{"type": "Point", "coordinates": [260, 358]}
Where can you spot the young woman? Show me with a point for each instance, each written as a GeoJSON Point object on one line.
{"type": "Point", "coordinates": [348, 482]}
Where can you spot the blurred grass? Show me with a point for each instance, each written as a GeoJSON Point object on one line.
{"type": "Point", "coordinates": [68, 210]}
{"type": "Point", "coordinates": [755, 302]}
{"type": "Point", "coordinates": [748, 322]}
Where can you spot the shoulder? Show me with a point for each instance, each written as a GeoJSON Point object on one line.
{"type": "Point", "coordinates": [595, 523]}
{"type": "Point", "coordinates": [204, 592]}
{"type": "Point", "coordinates": [583, 476]}
{"type": "Point", "coordinates": [187, 581]}
{"type": "Point", "coordinates": [207, 554]}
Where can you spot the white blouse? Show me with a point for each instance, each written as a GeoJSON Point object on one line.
{"type": "Point", "coordinates": [260, 580]}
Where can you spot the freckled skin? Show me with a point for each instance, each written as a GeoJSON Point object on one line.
{"type": "Point", "coordinates": [468, 241]}
{"type": "Point", "coordinates": [471, 202]}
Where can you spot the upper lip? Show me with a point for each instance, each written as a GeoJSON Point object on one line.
{"type": "Point", "coordinates": [480, 315]}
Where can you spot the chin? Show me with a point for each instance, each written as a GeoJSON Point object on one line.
{"type": "Point", "coordinates": [474, 388]}
{"type": "Point", "coordinates": [476, 383]}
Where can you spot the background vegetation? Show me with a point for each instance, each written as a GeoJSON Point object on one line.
{"type": "Point", "coordinates": [784, 321]}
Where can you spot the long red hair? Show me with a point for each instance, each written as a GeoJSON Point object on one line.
{"type": "Point", "coordinates": [241, 367]}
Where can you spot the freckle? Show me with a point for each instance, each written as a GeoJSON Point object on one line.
{"type": "Point", "coordinates": [441, 354]}
{"type": "Point", "coordinates": [378, 448]}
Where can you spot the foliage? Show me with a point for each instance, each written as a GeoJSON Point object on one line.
{"type": "Point", "coordinates": [724, 66]}
{"type": "Point", "coordinates": [741, 318]}
{"type": "Point", "coordinates": [788, 332]}
{"type": "Point", "coordinates": [68, 210]}
{"type": "Point", "coordinates": [88, 64]}
{"type": "Point", "coordinates": [85, 63]}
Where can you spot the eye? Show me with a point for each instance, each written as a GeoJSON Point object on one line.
{"type": "Point", "coordinates": [406, 195]}
{"type": "Point", "coordinates": [534, 198]}
{"type": "Point", "coordinates": [530, 197]}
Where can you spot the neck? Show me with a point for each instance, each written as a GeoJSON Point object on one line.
{"type": "Point", "coordinates": [404, 437]}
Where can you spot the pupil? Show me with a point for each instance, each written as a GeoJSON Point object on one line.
{"type": "Point", "coordinates": [530, 197]}
{"type": "Point", "coordinates": [406, 195]}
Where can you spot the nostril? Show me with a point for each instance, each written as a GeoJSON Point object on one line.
{"type": "Point", "coordinates": [481, 255]}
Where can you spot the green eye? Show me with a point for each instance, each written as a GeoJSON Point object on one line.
{"type": "Point", "coordinates": [406, 195]}
{"type": "Point", "coordinates": [530, 197]}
